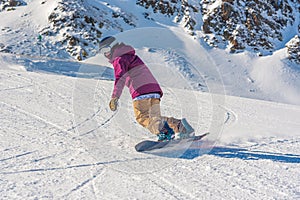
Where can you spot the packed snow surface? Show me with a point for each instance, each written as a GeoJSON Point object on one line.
{"type": "Point", "coordinates": [59, 140]}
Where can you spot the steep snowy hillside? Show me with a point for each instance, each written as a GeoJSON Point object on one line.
{"type": "Point", "coordinates": [19, 30]}
{"type": "Point", "coordinates": [273, 78]}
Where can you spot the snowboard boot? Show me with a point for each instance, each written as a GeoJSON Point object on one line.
{"type": "Point", "coordinates": [185, 130]}
{"type": "Point", "coordinates": [166, 133]}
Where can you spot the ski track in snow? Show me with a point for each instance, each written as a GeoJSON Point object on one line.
{"type": "Point", "coordinates": [171, 188]}
{"type": "Point", "coordinates": [45, 154]}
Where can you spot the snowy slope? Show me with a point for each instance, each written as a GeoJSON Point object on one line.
{"type": "Point", "coordinates": [59, 140]}
{"type": "Point", "coordinates": [20, 28]}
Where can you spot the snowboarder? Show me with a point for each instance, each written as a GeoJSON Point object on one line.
{"type": "Point", "coordinates": [145, 91]}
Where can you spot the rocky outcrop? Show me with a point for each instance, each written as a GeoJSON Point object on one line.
{"type": "Point", "coordinates": [256, 25]}
{"type": "Point", "coordinates": [10, 5]}
{"type": "Point", "coordinates": [78, 26]}
{"type": "Point", "coordinates": [260, 26]}
{"type": "Point", "coordinates": [183, 11]}
{"type": "Point", "coordinates": [293, 48]}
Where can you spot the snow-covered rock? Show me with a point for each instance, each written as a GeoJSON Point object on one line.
{"type": "Point", "coordinates": [183, 12]}
{"type": "Point", "coordinates": [293, 48]}
{"type": "Point", "coordinates": [10, 5]}
{"type": "Point", "coordinates": [76, 27]}
{"type": "Point", "coordinates": [259, 26]}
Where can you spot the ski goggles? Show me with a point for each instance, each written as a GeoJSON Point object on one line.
{"type": "Point", "coordinates": [105, 50]}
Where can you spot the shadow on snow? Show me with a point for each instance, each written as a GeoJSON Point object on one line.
{"type": "Point", "coordinates": [61, 66]}
{"type": "Point", "coordinates": [194, 149]}
{"type": "Point", "coordinates": [229, 152]}
{"type": "Point", "coordinates": [244, 154]}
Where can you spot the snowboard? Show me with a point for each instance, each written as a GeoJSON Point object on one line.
{"type": "Point", "coordinates": [149, 145]}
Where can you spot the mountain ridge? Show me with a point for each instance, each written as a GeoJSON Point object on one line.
{"type": "Point", "coordinates": [256, 26]}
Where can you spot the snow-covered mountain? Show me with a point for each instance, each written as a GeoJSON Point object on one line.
{"type": "Point", "coordinates": [77, 26]}
{"type": "Point", "coordinates": [73, 29]}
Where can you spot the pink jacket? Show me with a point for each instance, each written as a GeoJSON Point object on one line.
{"type": "Point", "coordinates": [131, 71]}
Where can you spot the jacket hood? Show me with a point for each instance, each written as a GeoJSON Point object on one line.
{"type": "Point", "coordinates": [120, 50]}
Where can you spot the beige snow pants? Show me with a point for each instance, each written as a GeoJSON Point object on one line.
{"type": "Point", "coordinates": [147, 113]}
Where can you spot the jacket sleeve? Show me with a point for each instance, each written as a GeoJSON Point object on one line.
{"type": "Point", "coordinates": [121, 72]}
